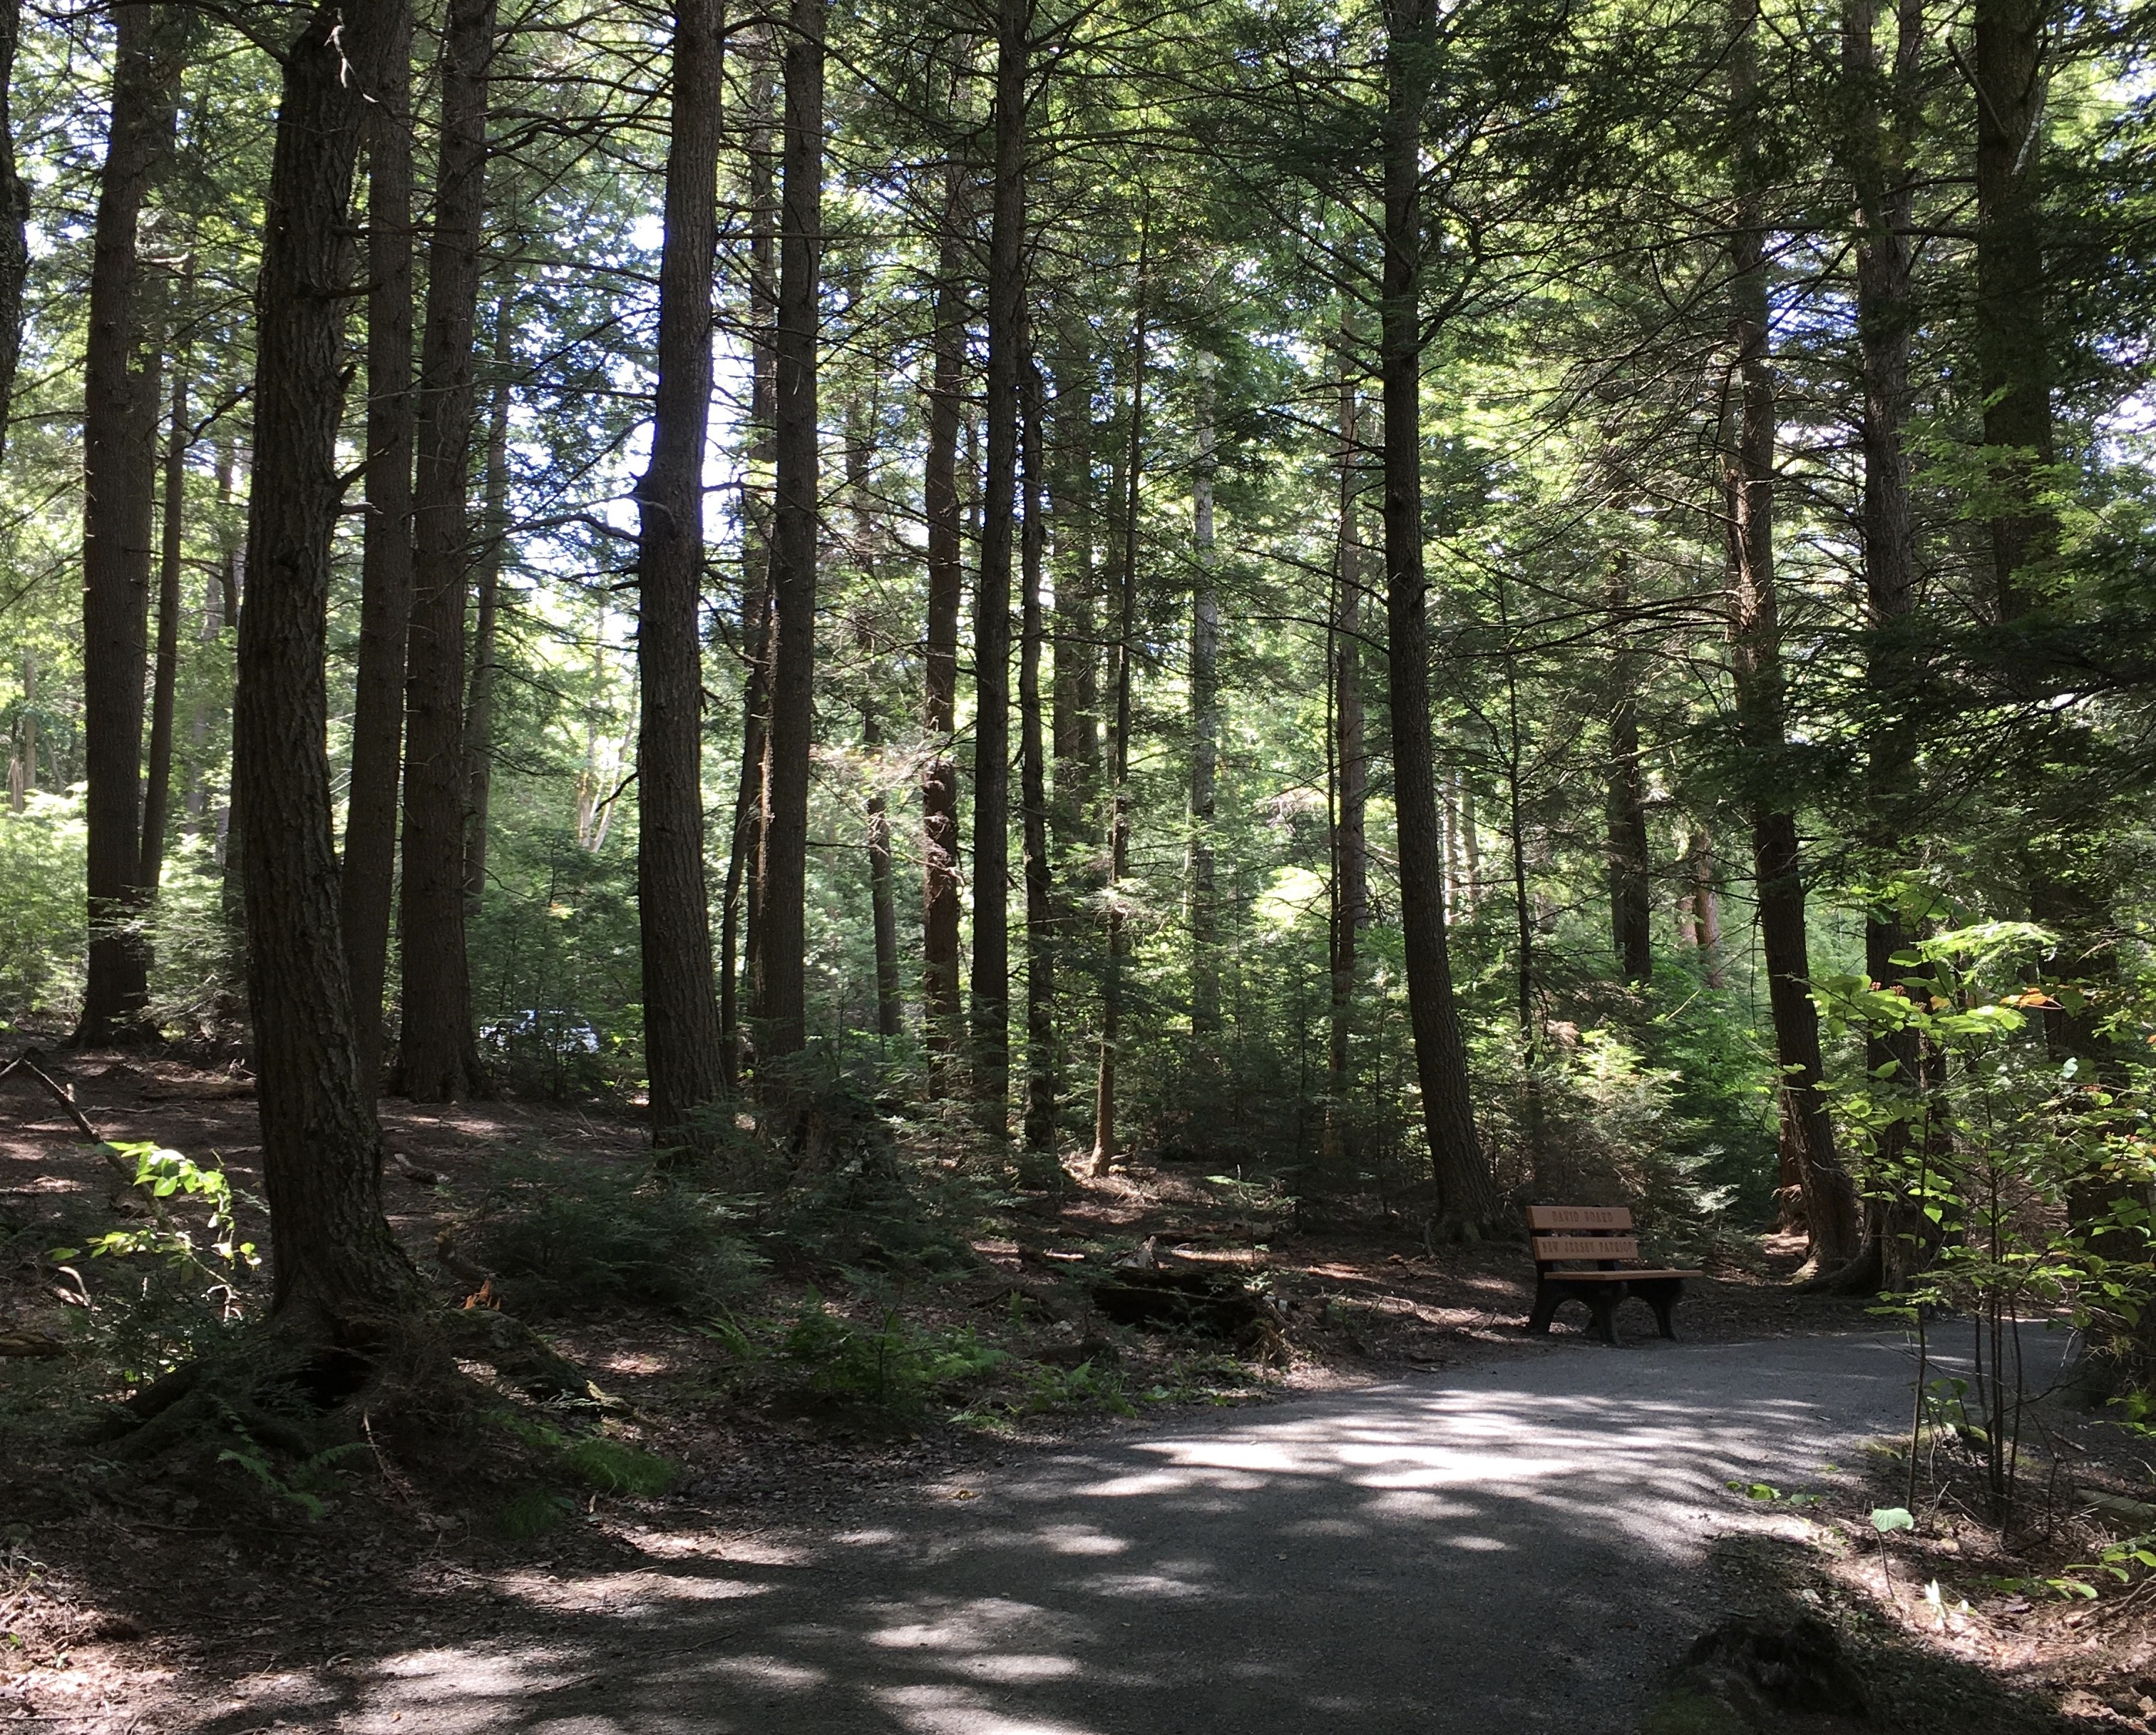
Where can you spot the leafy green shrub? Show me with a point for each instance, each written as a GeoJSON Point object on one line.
{"type": "Point", "coordinates": [888, 1364]}
{"type": "Point", "coordinates": [1087, 1386]}
{"type": "Point", "coordinates": [566, 1234]}
{"type": "Point", "coordinates": [613, 1468]}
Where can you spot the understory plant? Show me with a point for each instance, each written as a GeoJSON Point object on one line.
{"type": "Point", "coordinates": [2005, 1160]}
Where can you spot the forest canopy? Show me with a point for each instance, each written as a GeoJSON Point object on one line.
{"type": "Point", "coordinates": [1448, 604]}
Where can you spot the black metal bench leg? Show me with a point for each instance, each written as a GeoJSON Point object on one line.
{"type": "Point", "coordinates": [1605, 1312]}
{"type": "Point", "coordinates": [1663, 1296]}
{"type": "Point", "coordinates": [1545, 1309]}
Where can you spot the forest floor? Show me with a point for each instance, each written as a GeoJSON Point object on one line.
{"type": "Point", "coordinates": [134, 1603]}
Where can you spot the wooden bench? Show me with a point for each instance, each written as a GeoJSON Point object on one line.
{"type": "Point", "coordinates": [1587, 1254]}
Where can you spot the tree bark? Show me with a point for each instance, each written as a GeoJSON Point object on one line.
{"type": "Point", "coordinates": [486, 624]}
{"type": "Point", "coordinates": [947, 581]}
{"type": "Point", "coordinates": [439, 1057]}
{"type": "Point", "coordinates": [739, 904]}
{"type": "Point", "coordinates": [2013, 363]}
{"type": "Point", "coordinates": [1204, 725]}
{"type": "Point", "coordinates": [992, 595]}
{"type": "Point", "coordinates": [1885, 320]}
{"type": "Point", "coordinates": [1119, 739]}
{"type": "Point", "coordinates": [367, 888]}
{"type": "Point", "coordinates": [337, 1268]}
{"type": "Point", "coordinates": [120, 437]}
{"type": "Point", "coordinates": [1351, 890]}
{"type": "Point", "coordinates": [14, 221]}
{"type": "Point", "coordinates": [1706, 904]}
{"type": "Point", "coordinates": [1077, 650]}
{"type": "Point", "coordinates": [681, 1043]}
{"type": "Point", "coordinates": [1631, 931]}
{"type": "Point", "coordinates": [22, 761]}
{"type": "Point", "coordinates": [1042, 1069]}
{"type": "Point", "coordinates": [164, 680]}
{"type": "Point", "coordinates": [883, 907]}
{"type": "Point", "coordinates": [781, 990]}
{"type": "Point", "coordinates": [1756, 664]}
{"type": "Point", "coordinates": [1466, 1194]}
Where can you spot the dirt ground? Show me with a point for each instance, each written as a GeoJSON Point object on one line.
{"type": "Point", "coordinates": [126, 1605]}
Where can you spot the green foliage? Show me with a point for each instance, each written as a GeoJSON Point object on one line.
{"type": "Point", "coordinates": [531, 1513]}
{"type": "Point", "coordinates": [563, 1232]}
{"type": "Point", "coordinates": [42, 931]}
{"type": "Point", "coordinates": [883, 1361]}
{"type": "Point", "coordinates": [168, 1174]}
{"type": "Point", "coordinates": [1087, 1386]}
{"type": "Point", "coordinates": [613, 1468]}
{"type": "Point", "coordinates": [303, 1484]}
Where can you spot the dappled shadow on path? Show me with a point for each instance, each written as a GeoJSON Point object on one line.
{"type": "Point", "coordinates": [1511, 1550]}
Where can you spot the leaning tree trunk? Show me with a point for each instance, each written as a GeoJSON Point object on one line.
{"type": "Point", "coordinates": [119, 438]}
{"type": "Point", "coordinates": [739, 901]}
{"type": "Point", "coordinates": [164, 679]}
{"type": "Point", "coordinates": [368, 887]}
{"type": "Point", "coordinates": [992, 622]}
{"type": "Point", "coordinates": [437, 1060]}
{"type": "Point", "coordinates": [338, 1270]}
{"type": "Point", "coordinates": [681, 1043]}
{"type": "Point", "coordinates": [782, 1011]}
{"type": "Point", "coordinates": [1756, 664]}
{"type": "Point", "coordinates": [1467, 1195]}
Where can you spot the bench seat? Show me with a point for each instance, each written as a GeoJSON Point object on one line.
{"type": "Point", "coordinates": [1587, 1254]}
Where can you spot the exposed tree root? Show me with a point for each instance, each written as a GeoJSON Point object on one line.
{"type": "Point", "coordinates": [290, 1394]}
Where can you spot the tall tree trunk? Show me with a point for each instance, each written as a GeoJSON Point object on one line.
{"type": "Point", "coordinates": [782, 1010]}
{"type": "Point", "coordinates": [1119, 738]}
{"type": "Point", "coordinates": [883, 906]}
{"type": "Point", "coordinates": [1041, 1068]}
{"type": "Point", "coordinates": [1884, 208]}
{"type": "Point", "coordinates": [1706, 904]}
{"type": "Point", "coordinates": [1205, 726]}
{"type": "Point", "coordinates": [2013, 362]}
{"type": "Point", "coordinates": [486, 625]}
{"type": "Point", "coordinates": [1351, 890]}
{"type": "Point", "coordinates": [338, 1270]}
{"type": "Point", "coordinates": [158, 785]}
{"type": "Point", "coordinates": [439, 1057]}
{"type": "Point", "coordinates": [22, 762]}
{"type": "Point", "coordinates": [1467, 1197]}
{"type": "Point", "coordinates": [1631, 914]}
{"type": "Point", "coordinates": [883, 903]}
{"type": "Point", "coordinates": [992, 595]}
{"type": "Point", "coordinates": [14, 220]}
{"type": "Point", "coordinates": [681, 1011]}
{"type": "Point", "coordinates": [119, 437]}
{"type": "Point", "coordinates": [368, 885]}
{"type": "Point", "coordinates": [1756, 663]}
{"type": "Point", "coordinates": [738, 904]}
{"type": "Point", "coordinates": [1077, 650]}
{"type": "Point", "coordinates": [946, 580]}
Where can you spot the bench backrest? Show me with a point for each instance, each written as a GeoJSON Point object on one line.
{"type": "Point", "coordinates": [1598, 1234]}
